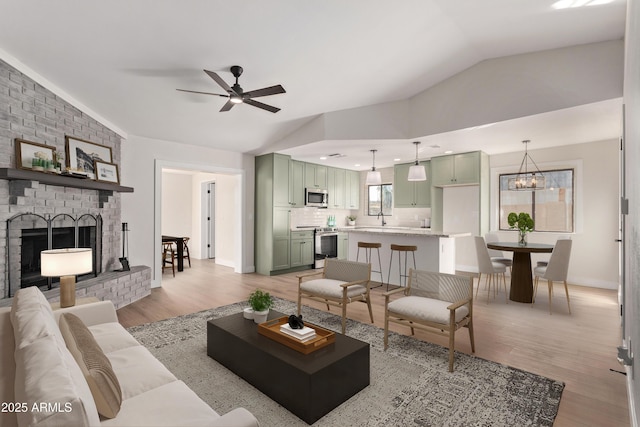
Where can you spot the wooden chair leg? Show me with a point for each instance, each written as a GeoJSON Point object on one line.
{"type": "Point", "coordinates": [369, 305]}
{"type": "Point", "coordinates": [451, 348]}
{"type": "Point", "coordinates": [550, 283]}
{"type": "Point", "coordinates": [471, 338]}
{"type": "Point", "coordinates": [344, 311]}
{"type": "Point", "coordinates": [299, 299]}
{"type": "Point", "coordinates": [386, 328]}
{"type": "Point", "coordinates": [566, 290]}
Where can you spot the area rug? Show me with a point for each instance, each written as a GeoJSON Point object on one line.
{"type": "Point", "coordinates": [410, 382]}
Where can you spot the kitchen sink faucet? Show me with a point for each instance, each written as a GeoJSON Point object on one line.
{"type": "Point", "coordinates": [383, 221]}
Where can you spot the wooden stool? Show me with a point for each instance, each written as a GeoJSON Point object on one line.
{"type": "Point", "coordinates": [402, 249]}
{"type": "Point", "coordinates": [367, 246]}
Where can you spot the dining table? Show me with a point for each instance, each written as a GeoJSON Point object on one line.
{"type": "Point", "coordinates": [179, 241]}
{"type": "Point", "coordinates": [521, 273]}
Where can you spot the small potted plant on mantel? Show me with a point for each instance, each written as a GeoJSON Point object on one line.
{"type": "Point", "coordinates": [351, 220]}
{"type": "Point", "coordinates": [260, 302]}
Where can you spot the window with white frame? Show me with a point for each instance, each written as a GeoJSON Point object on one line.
{"type": "Point", "coordinates": [380, 199]}
{"type": "Point", "coordinates": [552, 209]}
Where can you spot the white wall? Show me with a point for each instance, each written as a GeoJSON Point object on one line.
{"type": "Point", "coordinates": [177, 204]}
{"type": "Point", "coordinates": [142, 162]}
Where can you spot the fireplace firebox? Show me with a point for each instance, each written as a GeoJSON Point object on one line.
{"type": "Point", "coordinates": [31, 234]}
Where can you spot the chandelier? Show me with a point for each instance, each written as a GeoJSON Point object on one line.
{"type": "Point", "coordinates": [525, 180]}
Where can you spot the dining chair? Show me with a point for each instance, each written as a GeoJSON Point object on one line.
{"type": "Point", "coordinates": [496, 255]}
{"type": "Point", "coordinates": [168, 257]}
{"type": "Point", "coordinates": [555, 271]}
{"type": "Point", "coordinates": [492, 269]}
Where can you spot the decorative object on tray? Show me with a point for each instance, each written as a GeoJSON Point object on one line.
{"type": "Point", "coordinates": [81, 155]}
{"type": "Point", "coordinates": [273, 330]}
{"type": "Point", "coordinates": [351, 220]}
{"type": "Point", "coordinates": [34, 156]}
{"type": "Point", "coordinates": [106, 172]}
{"type": "Point", "coordinates": [260, 301]}
{"type": "Point", "coordinates": [523, 222]}
{"type": "Point", "coordinates": [296, 322]}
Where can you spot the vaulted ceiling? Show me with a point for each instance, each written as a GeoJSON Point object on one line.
{"type": "Point", "coordinates": [125, 59]}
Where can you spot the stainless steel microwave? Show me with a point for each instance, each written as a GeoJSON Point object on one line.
{"type": "Point", "coordinates": [316, 197]}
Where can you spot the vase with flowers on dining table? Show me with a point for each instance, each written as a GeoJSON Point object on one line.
{"type": "Point", "coordinates": [523, 222]}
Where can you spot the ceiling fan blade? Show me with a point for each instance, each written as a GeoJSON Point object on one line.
{"type": "Point", "coordinates": [272, 90]}
{"type": "Point", "coordinates": [261, 105]}
{"type": "Point", "coordinates": [227, 106]}
{"type": "Point", "coordinates": [221, 82]}
{"type": "Point", "coordinates": [203, 93]}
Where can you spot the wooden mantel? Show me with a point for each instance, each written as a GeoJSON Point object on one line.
{"type": "Point", "coordinates": [12, 174]}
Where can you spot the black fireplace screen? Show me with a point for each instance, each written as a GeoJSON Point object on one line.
{"type": "Point", "coordinates": [30, 234]}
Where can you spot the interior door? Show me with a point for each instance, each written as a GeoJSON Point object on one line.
{"type": "Point", "coordinates": [211, 220]}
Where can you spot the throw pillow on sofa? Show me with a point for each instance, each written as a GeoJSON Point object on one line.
{"type": "Point", "coordinates": [94, 364]}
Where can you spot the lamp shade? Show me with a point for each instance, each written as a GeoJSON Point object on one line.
{"type": "Point", "coordinates": [66, 262]}
{"type": "Point", "coordinates": [417, 173]}
{"type": "Point", "coordinates": [374, 178]}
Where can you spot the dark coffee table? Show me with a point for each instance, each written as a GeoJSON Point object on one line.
{"type": "Point", "coordinates": [309, 386]}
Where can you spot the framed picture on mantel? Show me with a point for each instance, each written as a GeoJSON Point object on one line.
{"type": "Point", "coordinates": [32, 155]}
{"type": "Point", "coordinates": [82, 155]}
{"type": "Point", "coordinates": [106, 172]}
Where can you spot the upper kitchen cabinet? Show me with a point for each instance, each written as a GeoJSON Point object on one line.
{"type": "Point", "coordinates": [336, 185]}
{"type": "Point", "coordinates": [352, 189]}
{"type": "Point", "coordinates": [315, 176]}
{"type": "Point", "coordinates": [411, 194]}
{"type": "Point", "coordinates": [296, 184]}
{"type": "Point", "coordinates": [456, 169]}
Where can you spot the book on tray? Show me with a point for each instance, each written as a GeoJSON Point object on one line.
{"type": "Point", "coordinates": [304, 334]}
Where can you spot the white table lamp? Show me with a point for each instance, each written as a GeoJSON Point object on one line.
{"type": "Point", "coordinates": [66, 264]}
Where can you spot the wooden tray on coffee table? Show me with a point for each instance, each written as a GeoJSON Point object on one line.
{"type": "Point", "coordinates": [271, 329]}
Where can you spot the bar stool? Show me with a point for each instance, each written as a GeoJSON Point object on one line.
{"type": "Point", "coordinates": [368, 246]}
{"type": "Point", "coordinates": [402, 249]}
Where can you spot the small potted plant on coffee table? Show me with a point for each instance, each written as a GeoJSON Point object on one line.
{"type": "Point", "coordinates": [260, 301]}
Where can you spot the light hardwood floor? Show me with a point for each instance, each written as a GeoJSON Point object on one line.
{"type": "Point", "coordinates": [579, 349]}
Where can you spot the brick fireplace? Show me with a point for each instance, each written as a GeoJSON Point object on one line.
{"type": "Point", "coordinates": [33, 113]}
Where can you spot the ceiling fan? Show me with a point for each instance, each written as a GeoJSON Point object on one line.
{"type": "Point", "coordinates": [237, 96]}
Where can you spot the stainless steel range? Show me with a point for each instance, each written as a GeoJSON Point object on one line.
{"type": "Point", "coordinates": [325, 244]}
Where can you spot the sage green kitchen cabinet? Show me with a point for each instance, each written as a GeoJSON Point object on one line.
{"type": "Point", "coordinates": [272, 213]}
{"type": "Point", "coordinates": [301, 248]}
{"type": "Point", "coordinates": [315, 176]}
{"type": "Point", "coordinates": [411, 194]}
{"type": "Point", "coordinates": [296, 184]}
{"type": "Point", "coordinates": [343, 245]}
{"type": "Point", "coordinates": [352, 189]}
{"type": "Point", "coordinates": [336, 183]}
{"type": "Point", "coordinates": [456, 169]}
{"type": "Point", "coordinates": [470, 169]}
{"type": "Point", "coordinates": [281, 180]}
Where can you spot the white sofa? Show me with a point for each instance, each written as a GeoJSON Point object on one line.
{"type": "Point", "coordinates": [42, 385]}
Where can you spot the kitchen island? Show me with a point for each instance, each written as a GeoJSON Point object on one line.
{"type": "Point", "coordinates": [436, 249]}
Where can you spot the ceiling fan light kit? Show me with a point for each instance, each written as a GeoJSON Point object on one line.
{"type": "Point", "coordinates": [374, 177]}
{"type": "Point", "coordinates": [417, 172]}
{"type": "Point", "coordinates": [236, 95]}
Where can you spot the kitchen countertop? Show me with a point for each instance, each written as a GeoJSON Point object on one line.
{"type": "Point", "coordinates": [402, 231]}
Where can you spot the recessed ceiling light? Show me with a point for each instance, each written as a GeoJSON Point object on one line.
{"type": "Point", "coordinates": [434, 146]}
{"type": "Point", "coordinates": [357, 165]}
{"type": "Point", "coordinates": [448, 152]}
{"type": "Point", "coordinates": [396, 160]}
{"type": "Point", "coordinates": [323, 158]}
